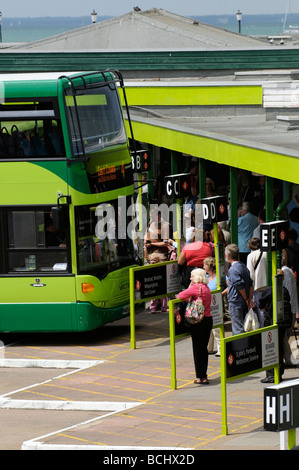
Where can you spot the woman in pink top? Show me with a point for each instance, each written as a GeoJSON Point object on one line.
{"type": "Point", "coordinates": [193, 254]}
{"type": "Point", "coordinates": [200, 332]}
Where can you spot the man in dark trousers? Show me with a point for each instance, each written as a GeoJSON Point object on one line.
{"type": "Point", "coordinates": [239, 289]}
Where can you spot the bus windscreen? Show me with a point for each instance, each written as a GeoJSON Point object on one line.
{"type": "Point", "coordinates": [95, 120]}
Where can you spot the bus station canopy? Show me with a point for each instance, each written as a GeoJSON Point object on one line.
{"type": "Point", "coordinates": [249, 124]}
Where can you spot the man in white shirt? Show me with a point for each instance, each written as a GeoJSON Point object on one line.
{"type": "Point", "coordinates": [257, 265]}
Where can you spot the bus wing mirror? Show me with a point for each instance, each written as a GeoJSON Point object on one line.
{"type": "Point", "coordinates": [60, 217]}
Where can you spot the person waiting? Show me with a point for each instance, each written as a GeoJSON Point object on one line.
{"type": "Point", "coordinates": [200, 332]}
{"type": "Point", "coordinates": [257, 265]}
{"type": "Point", "coordinates": [261, 218]}
{"type": "Point", "coordinates": [247, 222]}
{"type": "Point", "coordinates": [193, 254]}
{"type": "Point", "coordinates": [239, 289]}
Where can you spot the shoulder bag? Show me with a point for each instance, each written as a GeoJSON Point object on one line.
{"type": "Point", "coordinates": [258, 260]}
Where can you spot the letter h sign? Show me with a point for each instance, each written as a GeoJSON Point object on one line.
{"type": "Point", "coordinates": [281, 406]}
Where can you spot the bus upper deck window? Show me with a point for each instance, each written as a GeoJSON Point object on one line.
{"type": "Point", "coordinates": [30, 130]}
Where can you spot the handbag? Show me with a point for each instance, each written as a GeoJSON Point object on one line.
{"type": "Point", "coordinates": [195, 310]}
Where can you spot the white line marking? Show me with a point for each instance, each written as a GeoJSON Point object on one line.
{"type": "Point", "coordinates": [48, 364]}
{"type": "Point", "coordinates": [30, 445]}
{"type": "Point", "coordinates": [7, 403]}
{"type": "Point", "coordinates": [45, 381]}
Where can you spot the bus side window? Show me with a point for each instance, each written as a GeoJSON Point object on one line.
{"type": "Point", "coordinates": [52, 138]}
{"type": "Point", "coordinates": [29, 139]}
{"type": "Point", "coordinates": [30, 242]}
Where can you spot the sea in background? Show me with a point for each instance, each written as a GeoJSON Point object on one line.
{"type": "Point", "coordinates": [32, 29]}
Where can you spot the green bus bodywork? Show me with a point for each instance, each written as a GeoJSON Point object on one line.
{"type": "Point", "coordinates": [80, 282]}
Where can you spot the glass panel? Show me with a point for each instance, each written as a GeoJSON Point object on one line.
{"type": "Point", "coordinates": [42, 261]}
{"type": "Point", "coordinates": [100, 117]}
{"type": "Point", "coordinates": [30, 129]}
{"type": "Point", "coordinates": [29, 139]}
{"type": "Point", "coordinates": [33, 244]}
{"type": "Point", "coordinates": [102, 239]}
{"type": "Point", "coordinates": [25, 229]}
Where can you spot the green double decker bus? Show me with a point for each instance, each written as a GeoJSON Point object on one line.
{"type": "Point", "coordinates": [65, 168]}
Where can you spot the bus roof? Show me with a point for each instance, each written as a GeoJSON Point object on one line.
{"type": "Point", "coordinates": [24, 85]}
{"type": "Point", "coordinates": [17, 77]}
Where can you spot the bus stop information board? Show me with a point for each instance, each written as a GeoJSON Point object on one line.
{"type": "Point", "coordinates": [155, 281]}
{"type": "Point", "coordinates": [245, 354]}
{"type": "Point", "coordinates": [152, 281]}
{"type": "Point", "coordinates": [252, 352]}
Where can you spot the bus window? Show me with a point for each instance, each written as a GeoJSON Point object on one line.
{"type": "Point", "coordinates": [100, 119]}
{"type": "Point", "coordinates": [30, 130]}
{"type": "Point", "coordinates": [103, 242]}
{"type": "Point", "coordinates": [30, 243]}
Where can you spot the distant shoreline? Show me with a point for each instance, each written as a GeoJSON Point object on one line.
{"type": "Point", "coordinates": [27, 29]}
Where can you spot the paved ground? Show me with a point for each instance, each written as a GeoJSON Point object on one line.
{"type": "Point", "coordinates": [118, 398]}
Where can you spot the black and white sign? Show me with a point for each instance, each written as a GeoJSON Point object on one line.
{"type": "Point", "coordinates": [253, 352]}
{"type": "Point", "coordinates": [177, 186]}
{"type": "Point", "coordinates": [214, 209]}
{"type": "Point", "coordinates": [281, 411]}
{"type": "Point", "coordinates": [274, 235]}
{"type": "Point", "coordinates": [156, 280]}
{"type": "Point", "coordinates": [141, 161]}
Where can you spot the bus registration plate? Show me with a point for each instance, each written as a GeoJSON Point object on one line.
{"type": "Point", "coordinates": [126, 310]}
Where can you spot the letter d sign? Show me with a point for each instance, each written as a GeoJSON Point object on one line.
{"type": "Point", "coordinates": [214, 209]}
